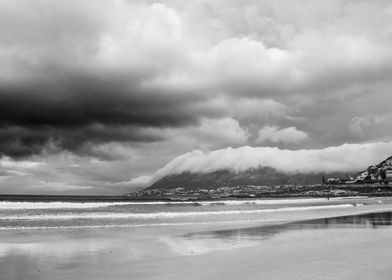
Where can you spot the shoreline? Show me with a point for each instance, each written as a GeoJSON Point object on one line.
{"type": "Point", "coordinates": [280, 245]}
{"type": "Point", "coordinates": [196, 226]}
{"type": "Point", "coordinates": [297, 249]}
{"type": "Point", "coordinates": [122, 198]}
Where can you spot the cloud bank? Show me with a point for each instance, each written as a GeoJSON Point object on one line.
{"type": "Point", "coordinates": [343, 158]}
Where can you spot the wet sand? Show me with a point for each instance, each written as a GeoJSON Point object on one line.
{"type": "Point", "coordinates": [347, 247]}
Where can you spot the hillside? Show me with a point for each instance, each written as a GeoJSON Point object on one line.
{"type": "Point", "coordinates": [226, 178]}
{"type": "Point", "coordinates": [378, 172]}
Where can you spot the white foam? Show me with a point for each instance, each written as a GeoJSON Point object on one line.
{"type": "Point", "coordinates": [158, 215]}
{"type": "Point", "coordinates": [120, 225]}
{"type": "Point", "coordinates": [12, 205]}
{"type": "Point", "coordinates": [276, 201]}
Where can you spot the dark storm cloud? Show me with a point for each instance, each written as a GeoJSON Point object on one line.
{"type": "Point", "coordinates": [71, 76]}
{"type": "Point", "coordinates": [86, 101]}
{"type": "Point", "coordinates": [74, 112]}
{"type": "Point", "coordinates": [25, 141]}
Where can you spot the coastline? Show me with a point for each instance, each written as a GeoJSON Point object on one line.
{"type": "Point", "coordinates": [126, 198]}
{"type": "Point", "coordinates": [317, 247]}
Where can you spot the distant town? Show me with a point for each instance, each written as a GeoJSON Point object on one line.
{"type": "Point", "coordinates": [381, 173]}
{"type": "Point", "coordinates": [319, 190]}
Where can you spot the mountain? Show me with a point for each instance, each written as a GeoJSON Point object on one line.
{"type": "Point", "coordinates": [226, 178]}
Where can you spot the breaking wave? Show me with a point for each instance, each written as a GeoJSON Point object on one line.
{"type": "Point", "coordinates": [55, 205]}
{"type": "Point", "coordinates": [10, 205]}
{"type": "Point", "coordinates": [157, 215]}
{"type": "Point", "coordinates": [116, 225]}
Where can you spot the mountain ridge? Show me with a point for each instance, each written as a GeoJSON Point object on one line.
{"type": "Point", "coordinates": [267, 176]}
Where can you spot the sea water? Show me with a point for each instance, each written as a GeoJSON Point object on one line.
{"type": "Point", "coordinates": [33, 215]}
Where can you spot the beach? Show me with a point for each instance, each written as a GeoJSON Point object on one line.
{"type": "Point", "coordinates": [346, 238]}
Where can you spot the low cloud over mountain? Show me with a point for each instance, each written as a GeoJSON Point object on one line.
{"type": "Point", "coordinates": [344, 158]}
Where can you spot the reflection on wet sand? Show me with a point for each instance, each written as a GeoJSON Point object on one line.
{"type": "Point", "coordinates": [373, 220]}
{"type": "Point", "coordinates": [169, 253]}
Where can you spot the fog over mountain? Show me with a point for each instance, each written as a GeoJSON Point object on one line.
{"type": "Point", "coordinates": [341, 159]}
{"type": "Point", "coordinates": [103, 97]}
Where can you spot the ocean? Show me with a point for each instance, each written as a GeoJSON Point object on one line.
{"type": "Point", "coordinates": [35, 215]}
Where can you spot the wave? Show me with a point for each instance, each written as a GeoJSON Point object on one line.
{"type": "Point", "coordinates": [277, 201]}
{"type": "Point", "coordinates": [157, 215]}
{"type": "Point", "coordinates": [119, 225]}
{"type": "Point", "coordinates": [10, 205]}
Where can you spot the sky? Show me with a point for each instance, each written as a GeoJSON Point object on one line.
{"type": "Point", "coordinates": [104, 97]}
